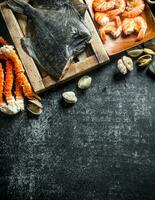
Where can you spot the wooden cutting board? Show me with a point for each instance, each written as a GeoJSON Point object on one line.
{"type": "Point", "coordinates": [122, 43]}
{"type": "Point", "coordinates": [94, 56]}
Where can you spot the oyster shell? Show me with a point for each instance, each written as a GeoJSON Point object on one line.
{"type": "Point", "coordinates": [84, 82]}
{"type": "Point", "coordinates": [69, 97]}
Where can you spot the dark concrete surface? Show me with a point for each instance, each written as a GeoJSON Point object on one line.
{"type": "Point", "coordinates": [102, 148]}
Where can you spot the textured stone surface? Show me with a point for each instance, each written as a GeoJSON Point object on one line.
{"type": "Point", "coordinates": [102, 148]}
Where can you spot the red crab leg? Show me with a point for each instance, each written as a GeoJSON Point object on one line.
{"type": "Point", "coordinates": [1, 84]}
{"type": "Point", "coordinates": [2, 41]}
{"type": "Point", "coordinates": [19, 71]}
{"type": "Point", "coordinates": [19, 95]}
{"type": "Point", "coordinates": [8, 81]}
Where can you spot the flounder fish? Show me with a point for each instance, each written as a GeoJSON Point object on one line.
{"type": "Point", "coordinates": [56, 32]}
{"type": "Point", "coordinates": [48, 4]}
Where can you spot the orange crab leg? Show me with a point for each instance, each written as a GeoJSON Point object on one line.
{"type": "Point", "coordinates": [27, 89]}
{"type": "Point", "coordinates": [19, 95]}
{"type": "Point", "coordinates": [2, 56]}
{"type": "Point", "coordinates": [19, 71]}
{"type": "Point", "coordinates": [18, 91]}
{"type": "Point", "coordinates": [1, 84]}
{"type": "Point", "coordinates": [2, 41]}
{"type": "Point", "coordinates": [9, 81]}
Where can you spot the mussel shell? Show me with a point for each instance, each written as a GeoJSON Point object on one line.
{"type": "Point", "coordinates": [135, 52]}
{"type": "Point", "coordinates": [152, 67]}
{"type": "Point", "coordinates": [35, 110]}
{"type": "Point", "coordinates": [144, 60]}
{"type": "Point", "coordinates": [149, 51]}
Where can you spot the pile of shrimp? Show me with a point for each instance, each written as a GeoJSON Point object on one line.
{"type": "Point", "coordinates": [117, 16]}
{"type": "Point", "coordinates": [12, 78]}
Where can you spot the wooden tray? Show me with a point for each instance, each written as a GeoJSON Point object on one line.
{"type": "Point", "coordinates": [94, 56]}
{"type": "Point", "coordinates": [114, 46]}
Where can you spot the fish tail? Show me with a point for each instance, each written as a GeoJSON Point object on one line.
{"type": "Point", "coordinates": [19, 6]}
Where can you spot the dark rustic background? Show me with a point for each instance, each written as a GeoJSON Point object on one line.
{"type": "Point", "coordinates": [102, 148]}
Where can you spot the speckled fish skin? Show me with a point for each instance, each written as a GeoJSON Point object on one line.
{"type": "Point", "coordinates": [48, 4]}
{"type": "Point", "coordinates": [55, 35]}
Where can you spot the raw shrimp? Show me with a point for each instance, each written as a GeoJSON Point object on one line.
{"type": "Point", "coordinates": [134, 8]}
{"type": "Point", "coordinates": [128, 26]}
{"type": "Point", "coordinates": [140, 27]}
{"type": "Point", "coordinates": [101, 18]}
{"type": "Point", "coordinates": [103, 5]}
{"type": "Point", "coordinates": [119, 8]}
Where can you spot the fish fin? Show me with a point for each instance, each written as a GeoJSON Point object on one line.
{"type": "Point", "coordinates": [82, 9]}
{"type": "Point", "coordinates": [18, 6]}
{"type": "Point", "coordinates": [14, 7]}
{"type": "Point", "coordinates": [26, 44]}
{"type": "Point", "coordinates": [80, 6]}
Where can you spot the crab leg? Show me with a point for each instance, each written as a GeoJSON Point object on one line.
{"type": "Point", "coordinates": [11, 107]}
{"type": "Point", "coordinates": [9, 82]}
{"type": "Point", "coordinates": [19, 95]}
{"type": "Point", "coordinates": [19, 71]}
{"type": "Point", "coordinates": [3, 106]}
{"type": "Point", "coordinates": [2, 41]}
{"type": "Point", "coordinates": [2, 56]}
{"type": "Point", "coordinates": [1, 85]}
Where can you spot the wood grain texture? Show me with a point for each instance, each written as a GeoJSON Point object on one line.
{"type": "Point", "coordinates": [75, 69]}
{"type": "Point", "coordinates": [122, 43]}
{"type": "Point", "coordinates": [28, 63]}
{"type": "Point", "coordinates": [96, 42]}
{"type": "Point", "coordinates": [102, 148]}
{"type": "Point", "coordinates": [40, 80]}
